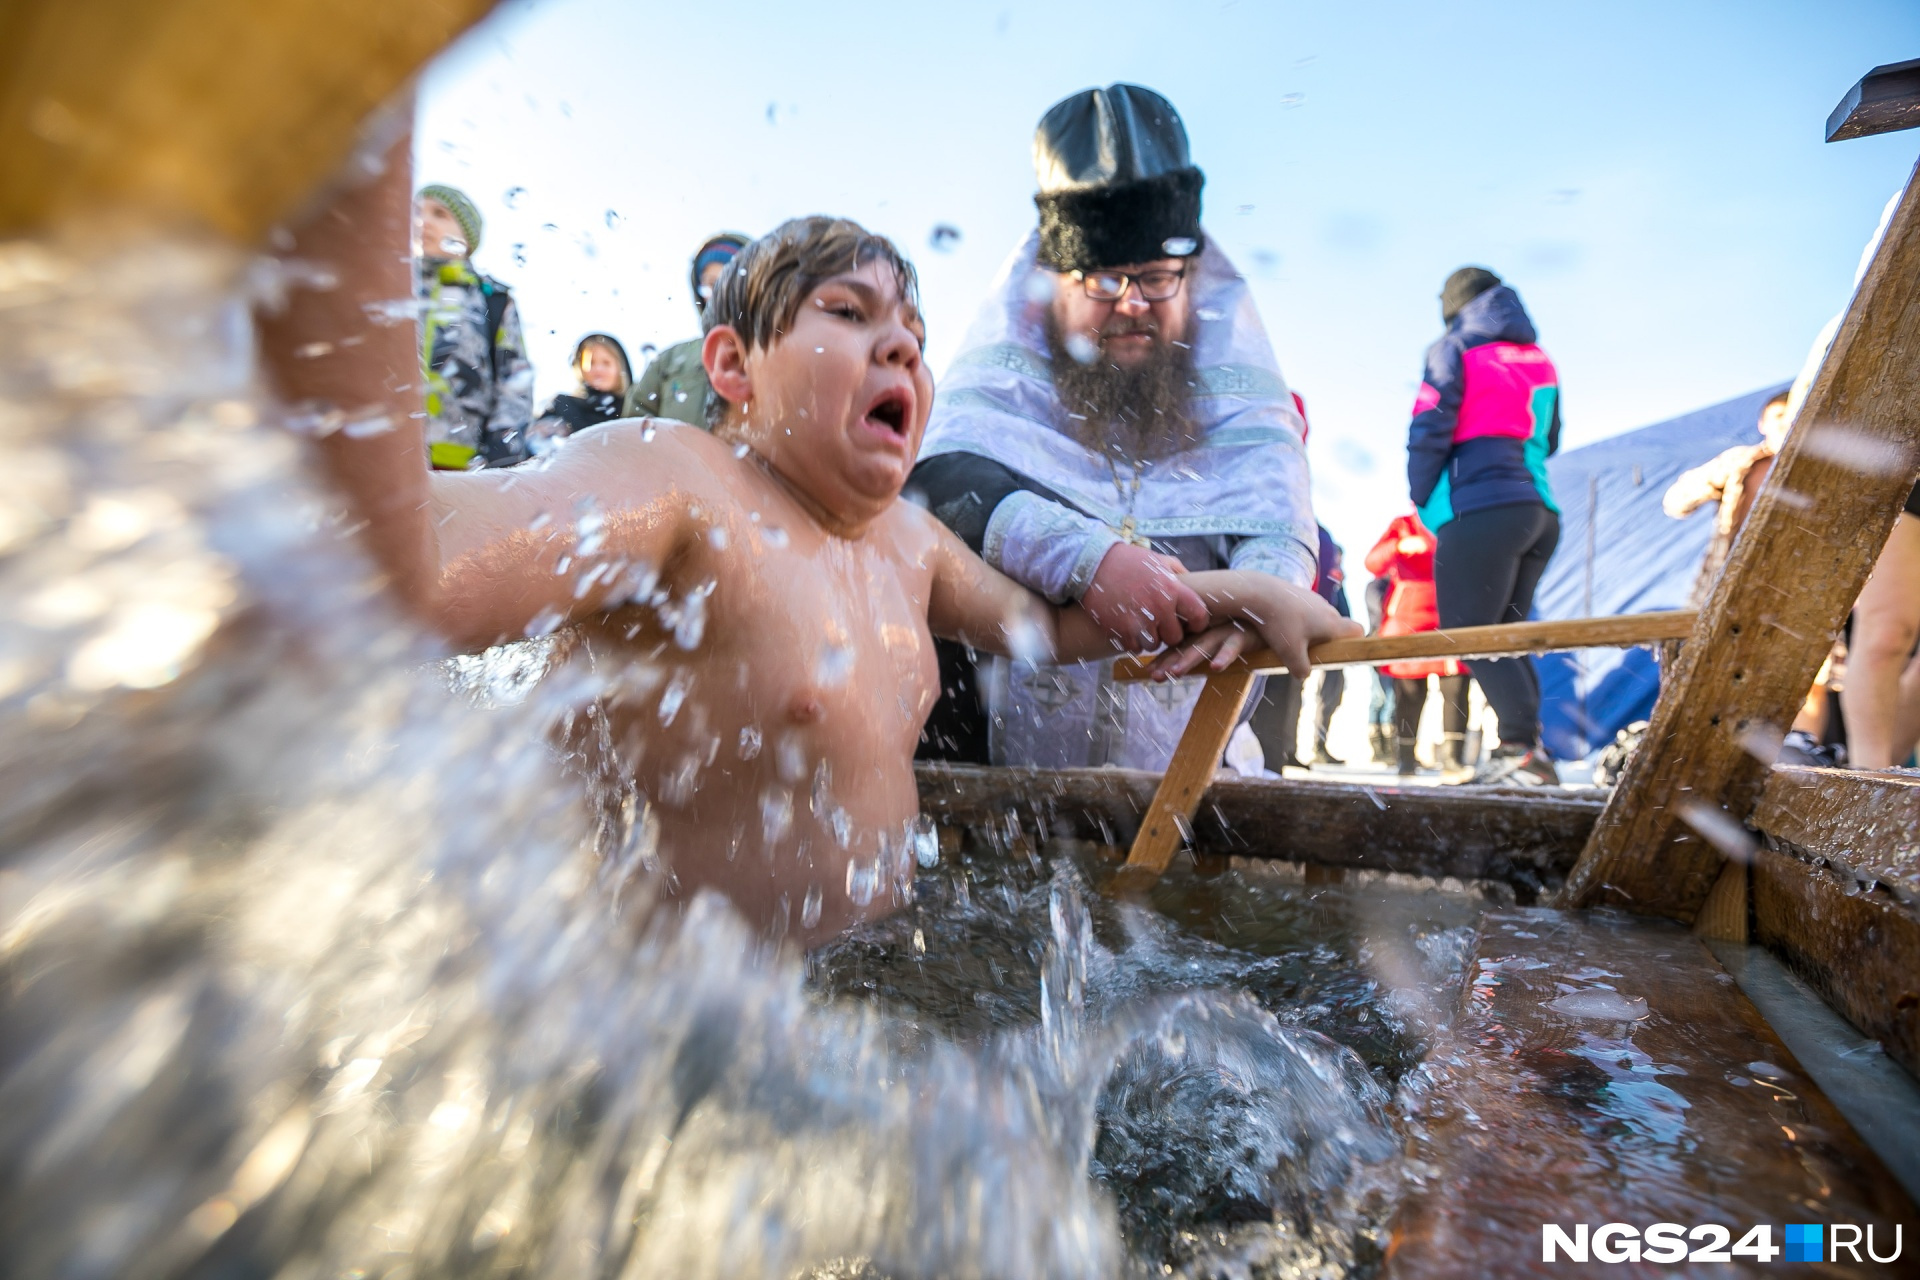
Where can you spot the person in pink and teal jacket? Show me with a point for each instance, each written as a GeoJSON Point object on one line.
{"type": "Point", "coordinates": [1485, 422]}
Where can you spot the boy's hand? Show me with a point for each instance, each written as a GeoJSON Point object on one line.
{"type": "Point", "coordinates": [1286, 618]}
{"type": "Point", "coordinates": [1137, 598]}
{"type": "Point", "coordinates": [1216, 646]}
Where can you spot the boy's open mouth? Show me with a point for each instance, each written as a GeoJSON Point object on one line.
{"type": "Point", "coordinates": [890, 411]}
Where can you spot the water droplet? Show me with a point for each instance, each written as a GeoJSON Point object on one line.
{"type": "Point", "coordinates": [789, 759]}
{"type": "Point", "coordinates": [512, 198]}
{"type": "Point", "coordinates": [544, 622]}
{"type": "Point", "coordinates": [519, 255]}
{"type": "Point", "coordinates": [590, 532]}
{"type": "Point", "coordinates": [774, 536]}
{"type": "Point", "coordinates": [836, 664]}
{"type": "Point", "coordinates": [648, 430]}
{"type": "Point", "coordinates": [1179, 246]}
{"type": "Point", "coordinates": [613, 219]}
{"type": "Point", "coordinates": [776, 814]}
{"type": "Point", "coordinates": [718, 537]}
{"type": "Point", "coordinates": [926, 842]}
{"type": "Point", "coordinates": [453, 247]}
{"type": "Point", "coordinates": [863, 881]}
{"type": "Point", "coordinates": [749, 742]}
{"type": "Point", "coordinates": [681, 396]}
{"type": "Point", "coordinates": [810, 907]}
{"type": "Point", "coordinates": [945, 237]}
{"type": "Point", "coordinates": [1039, 287]}
{"type": "Point", "coordinates": [919, 942]}
{"type": "Point", "coordinates": [819, 351]}
{"type": "Point", "coordinates": [1082, 348]}
{"type": "Point", "coordinates": [1209, 313]}
{"type": "Point", "coordinates": [1290, 100]}
{"type": "Point", "coordinates": [675, 695]}
{"type": "Point", "coordinates": [690, 624]}
{"type": "Point", "coordinates": [742, 449]}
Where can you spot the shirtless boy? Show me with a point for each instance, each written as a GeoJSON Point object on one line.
{"type": "Point", "coordinates": [768, 600]}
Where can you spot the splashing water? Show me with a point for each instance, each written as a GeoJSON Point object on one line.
{"type": "Point", "coordinates": [305, 965]}
{"type": "Point", "coordinates": [309, 968]}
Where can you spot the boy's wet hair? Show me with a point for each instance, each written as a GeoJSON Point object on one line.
{"type": "Point", "coordinates": [763, 288]}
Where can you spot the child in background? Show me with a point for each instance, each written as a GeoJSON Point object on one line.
{"type": "Point", "coordinates": [600, 363]}
{"type": "Point", "coordinates": [1404, 557]}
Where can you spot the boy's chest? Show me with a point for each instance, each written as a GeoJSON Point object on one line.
{"type": "Point", "coordinates": [831, 637]}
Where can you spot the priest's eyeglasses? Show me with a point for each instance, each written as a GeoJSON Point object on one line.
{"type": "Point", "coordinates": [1156, 285]}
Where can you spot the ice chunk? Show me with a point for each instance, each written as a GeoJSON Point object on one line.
{"type": "Point", "coordinates": [1607, 1006]}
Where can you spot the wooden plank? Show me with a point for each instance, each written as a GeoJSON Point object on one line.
{"type": "Point", "coordinates": [1525, 838]}
{"type": "Point", "coordinates": [1812, 538]}
{"type": "Point", "coordinates": [1195, 760]}
{"type": "Point", "coordinates": [1866, 823]}
{"type": "Point", "coordinates": [1469, 642]}
{"type": "Point", "coordinates": [1884, 100]}
{"type": "Point", "coordinates": [220, 113]}
{"type": "Point", "coordinates": [1723, 918]}
{"type": "Point", "coordinates": [1859, 948]}
{"type": "Point", "coordinates": [1542, 1105]}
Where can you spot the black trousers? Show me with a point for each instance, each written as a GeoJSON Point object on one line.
{"type": "Point", "coordinates": [1333, 688]}
{"type": "Point", "coordinates": [1410, 699]}
{"type": "Point", "coordinates": [1484, 572]}
{"type": "Point", "coordinates": [1276, 721]}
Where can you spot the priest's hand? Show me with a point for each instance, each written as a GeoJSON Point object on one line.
{"type": "Point", "coordinates": [1138, 599]}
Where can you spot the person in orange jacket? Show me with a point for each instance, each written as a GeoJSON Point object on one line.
{"type": "Point", "coordinates": [1404, 557]}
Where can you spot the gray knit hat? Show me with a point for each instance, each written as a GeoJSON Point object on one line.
{"type": "Point", "coordinates": [464, 211]}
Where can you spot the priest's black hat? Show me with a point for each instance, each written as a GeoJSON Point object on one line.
{"type": "Point", "coordinates": [1116, 183]}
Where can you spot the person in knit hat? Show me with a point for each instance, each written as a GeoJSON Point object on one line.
{"type": "Point", "coordinates": [1116, 416]}
{"type": "Point", "coordinates": [675, 383]}
{"type": "Point", "coordinates": [478, 379]}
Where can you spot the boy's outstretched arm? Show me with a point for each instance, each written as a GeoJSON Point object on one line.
{"type": "Point", "coordinates": [342, 354]}
{"type": "Point", "coordinates": [477, 556]}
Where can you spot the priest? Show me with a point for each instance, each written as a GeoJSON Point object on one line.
{"type": "Point", "coordinates": [1116, 417]}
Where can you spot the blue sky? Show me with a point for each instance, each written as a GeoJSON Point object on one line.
{"type": "Point", "coordinates": [1649, 176]}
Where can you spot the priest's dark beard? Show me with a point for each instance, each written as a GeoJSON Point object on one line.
{"type": "Point", "coordinates": [1139, 414]}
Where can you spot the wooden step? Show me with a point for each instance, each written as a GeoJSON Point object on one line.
{"type": "Point", "coordinates": [1605, 1068]}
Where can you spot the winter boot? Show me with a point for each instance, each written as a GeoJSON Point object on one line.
{"type": "Point", "coordinates": [1405, 762]}
{"type": "Point", "coordinates": [1380, 741]}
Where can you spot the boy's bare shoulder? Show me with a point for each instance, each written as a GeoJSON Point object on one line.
{"type": "Point", "coordinates": [913, 526]}
{"type": "Point", "coordinates": [648, 451]}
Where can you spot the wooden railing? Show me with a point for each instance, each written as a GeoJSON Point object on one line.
{"type": "Point", "coordinates": [1218, 709]}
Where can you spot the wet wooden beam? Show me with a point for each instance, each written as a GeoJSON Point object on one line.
{"type": "Point", "coordinates": [1503, 640]}
{"type": "Point", "coordinates": [1524, 838]}
{"type": "Point", "coordinates": [1812, 538]}
{"type": "Point", "coordinates": [1836, 893]}
{"type": "Point", "coordinates": [1606, 1069]}
{"type": "Point", "coordinates": [222, 114]}
{"type": "Point", "coordinates": [1865, 823]}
